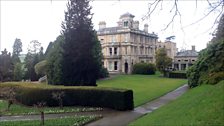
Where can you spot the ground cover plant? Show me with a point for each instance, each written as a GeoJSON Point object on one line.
{"type": "Point", "coordinates": [145, 87]}
{"type": "Point", "coordinates": [201, 106]}
{"type": "Point", "coordinates": [65, 121]}
{"type": "Point", "coordinates": [18, 109]}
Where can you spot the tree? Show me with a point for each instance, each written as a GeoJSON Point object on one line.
{"type": "Point", "coordinates": [79, 65]}
{"type": "Point", "coordinates": [54, 61]}
{"type": "Point", "coordinates": [58, 96]}
{"type": "Point", "coordinates": [209, 68]}
{"type": "Point", "coordinates": [40, 68]}
{"type": "Point", "coordinates": [17, 49]}
{"type": "Point", "coordinates": [162, 60]}
{"type": "Point", "coordinates": [17, 72]}
{"type": "Point", "coordinates": [214, 7]}
{"type": "Point", "coordinates": [31, 59]}
{"type": "Point", "coordinates": [6, 66]}
{"type": "Point", "coordinates": [9, 94]}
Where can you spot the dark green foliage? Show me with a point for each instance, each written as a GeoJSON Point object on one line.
{"type": "Point", "coordinates": [81, 96]}
{"type": "Point", "coordinates": [6, 66]}
{"type": "Point", "coordinates": [80, 64]}
{"type": "Point", "coordinates": [18, 72]}
{"type": "Point", "coordinates": [17, 49]}
{"type": "Point", "coordinates": [54, 59]}
{"type": "Point", "coordinates": [103, 73]}
{"type": "Point", "coordinates": [162, 60]}
{"type": "Point", "coordinates": [209, 68]}
{"type": "Point", "coordinates": [49, 47]}
{"type": "Point", "coordinates": [144, 68]}
{"type": "Point", "coordinates": [176, 75]}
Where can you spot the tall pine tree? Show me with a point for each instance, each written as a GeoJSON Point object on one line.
{"type": "Point", "coordinates": [80, 67]}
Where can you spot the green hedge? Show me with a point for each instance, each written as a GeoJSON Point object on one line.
{"type": "Point", "coordinates": [144, 68]}
{"type": "Point", "coordinates": [118, 99]}
{"type": "Point", "coordinates": [176, 75]}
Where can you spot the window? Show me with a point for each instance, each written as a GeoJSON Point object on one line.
{"type": "Point", "coordinates": [113, 38]}
{"type": "Point", "coordinates": [110, 65]}
{"type": "Point", "coordinates": [110, 51]}
{"type": "Point", "coordinates": [126, 24]}
{"type": "Point", "coordinates": [178, 60]}
{"type": "Point", "coordinates": [115, 65]}
{"type": "Point", "coordinates": [115, 51]}
{"type": "Point", "coordinates": [193, 60]}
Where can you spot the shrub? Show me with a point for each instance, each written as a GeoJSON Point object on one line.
{"type": "Point", "coordinates": [103, 73]}
{"type": "Point", "coordinates": [176, 75]}
{"type": "Point", "coordinates": [119, 99]}
{"type": "Point", "coordinates": [144, 68]}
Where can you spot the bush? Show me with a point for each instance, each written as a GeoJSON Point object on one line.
{"type": "Point", "coordinates": [118, 99]}
{"type": "Point", "coordinates": [176, 75]}
{"type": "Point", "coordinates": [103, 73]}
{"type": "Point", "coordinates": [144, 68]}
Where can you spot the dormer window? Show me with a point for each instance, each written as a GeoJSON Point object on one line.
{"type": "Point", "coordinates": [126, 24]}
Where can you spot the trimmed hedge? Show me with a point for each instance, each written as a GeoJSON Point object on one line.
{"type": "Point", "coordinates": [176, 75]}
{"type": "Point", "coordinates": [144, 68]}
{"type": "Point", "coordinates": [118, 99]}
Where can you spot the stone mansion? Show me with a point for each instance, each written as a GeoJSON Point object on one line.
{"type": "Point", "coordinates": [125, 45]}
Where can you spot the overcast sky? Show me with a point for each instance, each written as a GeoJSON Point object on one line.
{"type": "Point", "coordinates": [41, 20]}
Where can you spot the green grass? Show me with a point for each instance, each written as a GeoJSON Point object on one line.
{"type": "Point", "coordinates": [201, 106]}
{"type": "Point", "coordinates": [67, 121]}
{"type": "Point", "coordinates": [145, 87]}
{"type": "Point", "coordinates": [16, 109]}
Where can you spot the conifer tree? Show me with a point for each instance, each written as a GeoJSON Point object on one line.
{"type": "Point", "coordinates": [80, 66]}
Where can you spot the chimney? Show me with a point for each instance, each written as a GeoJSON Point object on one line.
{"type": "Point", "coordinates": [193, 48]}
{"type": "Point", "coordinates": [136, 25]}
{"type": "Point", "coordinates": [146, 27]}
{"type": "Point", "coordinates": [102, 24]}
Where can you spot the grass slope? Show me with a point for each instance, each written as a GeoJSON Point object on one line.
{"type": "Point", "coordinates": [201, 106]}
{"type": "Point", "coordinates": [67, 121]}
{"type": "Point", "coordinates": [145, 87]}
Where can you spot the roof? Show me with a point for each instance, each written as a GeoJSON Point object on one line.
{"type": "Point", "coordinates": [187, 53]}
{"type": "Point", "coordinates": [127, 15]}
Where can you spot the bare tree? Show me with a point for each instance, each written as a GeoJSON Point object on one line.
{"type": "Point", "coordinates": [40, 107]}
{"type": "Point", "coordinates": [213, 6]}
{"type": "Point", "coordinates": [9, 94]}
{"type": "Point", "coordinates": [58, 96]}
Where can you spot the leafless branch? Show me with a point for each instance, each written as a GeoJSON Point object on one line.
{"type": "Point", "coordinates": [152, 6]}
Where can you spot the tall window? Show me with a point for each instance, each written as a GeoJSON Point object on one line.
{"type": "Point", "coordinates": [110, 65]}
{"type": "Point", "coordinates": [126, 24]}
{"type": "Point", "coordinates": [110, 51]}
{"type": "Point", "coordinates": [113, 38]}
{"type": "Point", "coordinates": [115, 65]}
{"type": "Point", "coordinates": [115, 51]}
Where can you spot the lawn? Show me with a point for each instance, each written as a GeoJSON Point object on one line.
{"type": "Point", "coordinates": [67, 121]}
{"type": "Point", "coordinates": [16, 109]}
{"type": "Point", "coordinates": [145, 87]}
{"type": "Point", "coordinates": [201, 106]}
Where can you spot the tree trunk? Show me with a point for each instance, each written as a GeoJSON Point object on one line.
{"type": "Point", "coordinates": [42, 118]}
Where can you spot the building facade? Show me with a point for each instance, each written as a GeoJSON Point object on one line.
{"type": "Point", "coordinates": [125, 45]}
{"type": "Point", "coordinates": [184, 59]}
{"type": "Point", "coordinates": [170, 47]}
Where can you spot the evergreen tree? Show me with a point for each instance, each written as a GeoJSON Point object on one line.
{"type": "Point", "coordinates": [54, 59]}
{"type": "Point", "coordinates": [17, 66]}
{"type": "Point", "coordinates": [80, 66]}
{"type": "Point", "coordinates": [6, 66]}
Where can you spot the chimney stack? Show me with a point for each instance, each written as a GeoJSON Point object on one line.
{"type": "Point", "coordinates": [193, 48]}
{"type": "Point", "coordinates": [136, 25]}
{"type": "Point", "coordinates": [102, 24]}
{"type": "Point", "coordinates": [146, 28]}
